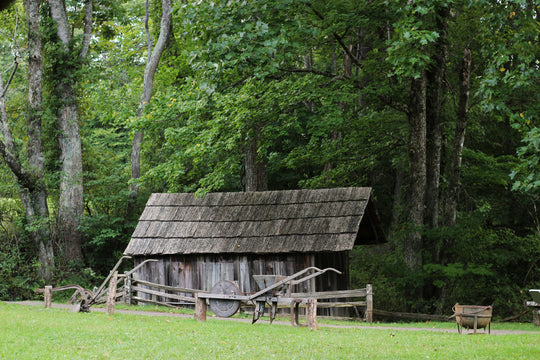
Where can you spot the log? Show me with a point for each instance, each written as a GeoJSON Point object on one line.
{"type": "Point", "coordinates": [111, 293]}
{"type": "Point", "coordinates": [47, 296]}
{"type": "Point", "coordinates": [514, 317]}
{"type": "Point", "coordinates": [200, 308]}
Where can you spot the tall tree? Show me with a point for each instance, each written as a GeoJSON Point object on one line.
{"type": "Point", "coordinates": [68, 62]}
{"type": "Point", "coordinates": [435, 77]}
{"type": "Point", "coordinates": [454, 165]}
{"type": "Point", "coordinates": [32, 188]}
{"type": "Point", "coordinates": [154, 56]}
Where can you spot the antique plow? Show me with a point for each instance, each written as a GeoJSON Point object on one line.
{"type": "Point", "coordinates": [225, 297]}
{"type": "Point", "coordinates": [88, 301]}
{"type": "Point", "coordinates": [85, 298]}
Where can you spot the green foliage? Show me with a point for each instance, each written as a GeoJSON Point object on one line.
{"type": "Point", "coordinates": [408, 51]}
{"type": "Point", "coordinates": [278, 72]}
{"type": "Point", "coordinates": [477, 261]}
{"type": "Point", "coordinates": [18, 267]}
{"type": "Point", "coordinates": [510, 84]}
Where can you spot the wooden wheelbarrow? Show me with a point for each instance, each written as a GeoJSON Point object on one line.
{"type": "Point", "coordinates": [225, 297]}
{"type": "Point", "coordinates": [473, 317]}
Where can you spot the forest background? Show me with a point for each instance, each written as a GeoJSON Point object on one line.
{"type": "Point", "coordinates": [435, 104]}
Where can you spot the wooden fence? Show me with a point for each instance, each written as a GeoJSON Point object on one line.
{"type": "Point", "coordinates": [125, 288]}
{"type": "Point", "coordinates": [342, 298]}
{"type": "Point", "coordinates": [158, 294]}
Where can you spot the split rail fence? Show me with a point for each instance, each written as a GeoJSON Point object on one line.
{"type": "Point", "coordinates": [125, 288]}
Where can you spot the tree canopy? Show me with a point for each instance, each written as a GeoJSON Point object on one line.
{"type": "Point", "coordinates": [433, 103]}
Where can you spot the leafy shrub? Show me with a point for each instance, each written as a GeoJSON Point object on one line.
{"type": "Point", "coordinates": [18, 267]}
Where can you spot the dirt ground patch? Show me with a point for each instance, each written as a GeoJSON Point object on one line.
{"type": "Point", "coordinates": [176, 315]}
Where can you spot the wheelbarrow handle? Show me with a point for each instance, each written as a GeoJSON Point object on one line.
{"type": "Point", "coordinates": [292, 277]}
{"type": "Point", "coordinates": [319, 272]}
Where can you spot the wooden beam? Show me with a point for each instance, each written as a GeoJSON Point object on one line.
{"type": "Point", "coordinates": [339, 304]}
{"type": "Point", "coordinates": [163, 294]}
{"type": "Point", "coordinates": [165, 287]}
{"type": "Point", "coordinates": [331, 294]}
{"type": "Point", "coordinates": [138, 299]}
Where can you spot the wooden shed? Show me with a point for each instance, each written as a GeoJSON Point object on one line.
{"type": "Point", "coordinates": [232, 236]}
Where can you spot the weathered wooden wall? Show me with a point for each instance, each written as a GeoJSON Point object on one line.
{"type": "Point", "coordinates": [203, 271]}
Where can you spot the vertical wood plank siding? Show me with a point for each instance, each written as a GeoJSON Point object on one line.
{"type": "Point", "coordinates": [202, 272]}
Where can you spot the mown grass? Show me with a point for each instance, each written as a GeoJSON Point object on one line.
{"type": "Point", "coordinates": [451, 324]}
{"type": "Point", "coordinates": [31, 332]}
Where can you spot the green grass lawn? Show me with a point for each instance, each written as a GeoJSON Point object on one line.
{"type": "Point", "coordinates": [32, 332]}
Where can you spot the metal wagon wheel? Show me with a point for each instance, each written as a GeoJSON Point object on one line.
{"type": "Point", "coordinates": [224, 307]}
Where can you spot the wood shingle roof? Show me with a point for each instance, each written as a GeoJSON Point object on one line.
{"type": "Point", "coordinates": [256, 222]}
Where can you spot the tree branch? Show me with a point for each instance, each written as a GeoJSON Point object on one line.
{"type": "Point", "coordinates": [234, 83]}
{"type": "Point", "coordinates": [5, 89]}
{"type": "Point", "coordinates": [338, 38]}
{"type": "Point", "coordinates": [58, 13]}
{"type": "Point", "coordinates": [87, 35]}
{"type": "Point", "coordinates": [149, 41]}
{"type": "Point", "coordinates": [312, 71]}
{"type": "Point", "coordinates": [6, 148]}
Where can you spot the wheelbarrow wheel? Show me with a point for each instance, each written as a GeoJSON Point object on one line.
{"type": "Point", "coordinates": [224, 307]}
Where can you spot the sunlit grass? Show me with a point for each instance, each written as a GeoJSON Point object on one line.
{"type": "Point", "coordinates": [31, 332]}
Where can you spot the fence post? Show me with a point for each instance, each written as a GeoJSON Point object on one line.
{"type": "Point", "coordinates": [369, 304]}
{"type": "Point", "coordinates": [47, 296]}
{"type": "Point", "coordinates": [111, 293]}
{"type": "Point", "coordinates": [536, 316]}
{"type": "Point", "coordinates": [311, 314]}
{"type": "Point", "coordinates": [200, 308]}
{"type": "Point", "coordinates": [127, 297]}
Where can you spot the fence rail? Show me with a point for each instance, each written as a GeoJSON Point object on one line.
{"type": "Point", "coordinates": [158, 296]}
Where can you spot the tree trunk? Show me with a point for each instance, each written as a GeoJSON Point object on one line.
{"type": "Point", "coordinates": [435, 77]}
{"type": "Point", "coordinates": [32, 188]}
{"type": "Point", "coordinates": [71, 205]}
{"type": "Point", "coordinates": [35, 202]}
{"type": "Point", "coordinates": [397, 202]}
{"type": "Point", "coordinates": [154, 55]}
{"type": "Point", "coordinates": [255, 172]}
{"type": "Point", "coordinates": [454, 167]}
{"type": "Point", "coordinates": [412, 247]}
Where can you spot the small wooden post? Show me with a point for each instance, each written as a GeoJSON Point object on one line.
{"type": "Point", "coordinates": [47, 295]}
{"type": "Point", "coordinates": [200, 308]}
{"type": "Point", "coordinates": [111, 293]}
{"type": "Point", "coordinates": [369, 304]}
{"type": "Point", "coordinates": [311, 314]}
{"type": "Point", "coordinates": [127, 296]}
{"type": "Point", "coordinates": [536, 317]}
